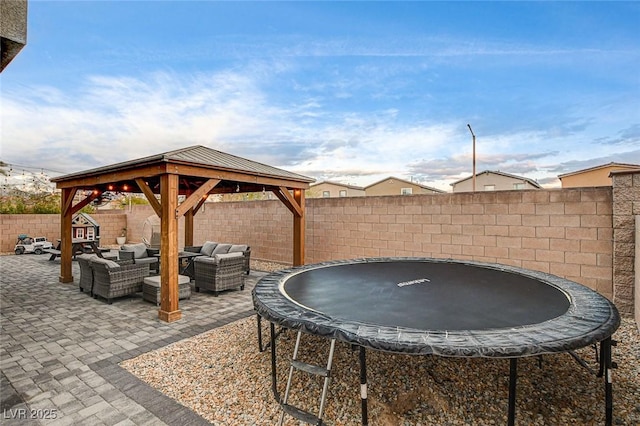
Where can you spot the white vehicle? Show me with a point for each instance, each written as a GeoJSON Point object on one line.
{"type": "Point", "coordinates": [26, 244]}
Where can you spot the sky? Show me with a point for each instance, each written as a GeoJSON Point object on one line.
{"type": "Point", "coordinates": [349, 92]}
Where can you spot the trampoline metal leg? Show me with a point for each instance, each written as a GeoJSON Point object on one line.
{"type": "Point", "coordinates": [274, 380]}
{"type": "Point", "coordinates": [259, 321]}
{"type": "Point", "coordinates": [513, 376]}
{"type": "Point", "coordinates": [606, 367]}
{"type": "Point", "coordinates": [363, 385]}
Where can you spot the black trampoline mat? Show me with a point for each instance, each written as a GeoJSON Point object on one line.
{"type": "Point", "coordinates": [426, 296]}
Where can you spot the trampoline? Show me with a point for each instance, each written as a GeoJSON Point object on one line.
{"type": "Point", "coordinates": [443, 307]}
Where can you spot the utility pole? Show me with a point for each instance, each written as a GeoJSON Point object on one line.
{"type": "Point", "coordinates": [474, 157]}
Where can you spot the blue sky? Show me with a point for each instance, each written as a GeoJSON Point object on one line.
{"type": "Point", "coordinates": [343, 91]}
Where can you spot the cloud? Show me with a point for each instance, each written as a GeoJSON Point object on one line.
{"type": "Point", "coordinates": [628, 157]}
{"type": "Point", "coordinates": [109, 119]}
{"type": "Point", "coordinates": [628, 136]}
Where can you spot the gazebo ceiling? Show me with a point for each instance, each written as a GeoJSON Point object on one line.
{"type": "Point", "coordinates": [195, 165]}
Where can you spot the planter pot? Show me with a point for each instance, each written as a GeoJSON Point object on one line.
{"type": "Point", "coordinates": [121, 240]}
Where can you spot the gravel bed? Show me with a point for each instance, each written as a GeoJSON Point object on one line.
{"type": "Point", "coordinates": [222, 376]}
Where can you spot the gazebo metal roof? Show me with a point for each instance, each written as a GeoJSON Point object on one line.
{"type": "Point", "coordinates": [204, 162]}
{"type": "Point", "coordinates": [194, 172]}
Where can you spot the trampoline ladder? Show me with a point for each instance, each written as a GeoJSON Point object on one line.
{"type": "Point", "coordinates": [296, 412]}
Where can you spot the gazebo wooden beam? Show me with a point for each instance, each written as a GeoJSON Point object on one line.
{"type": "Point", "coordinates": [295, 203]}
{"type": "Point", "coordinates": [68, 209]}
{"type": "Point", "coordinates": [196, 196]}
{"type": "Point", "coordinates": [188, 208]}
{"type": "Point", "coordinates": [151, 197]}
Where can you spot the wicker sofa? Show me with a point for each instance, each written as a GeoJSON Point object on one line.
{"type": "Point", "coordinates": [219, 272]}
{"type": "Point", "coordinates": [211, 248]}
{"type": "Point", "coordinates": [111, 279]}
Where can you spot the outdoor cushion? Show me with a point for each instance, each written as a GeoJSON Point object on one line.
{"type": "Point", "coordinates": [87, 256]}
{"type": "Point", "coordinates": [107, 262]}
{"type": "Point", "coordinates": [208, 247]}
{"type": "Point", "coordinates": [221, 248]}
{"type": "Point", "coordinates": [205, 259]}
{"type": "Point", "coordinates": [217, 257]}
{"type": "Point", "coordinates": [139, 250]}
{"type": "Point", "coordinates": [238, 248]}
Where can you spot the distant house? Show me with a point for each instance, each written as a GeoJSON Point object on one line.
{"type": "Point", "coordinates": [328, 189]}
{"type": "Point", "coordinates": [84, 227]}
{"type": "Point", "coordinates": [495, 181]}
{"type": "Point", "coordinates": [594, 176]}
{"type": "Point", "coordinates": [394, 186]}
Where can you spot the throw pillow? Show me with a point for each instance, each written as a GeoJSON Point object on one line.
{"type": "Point", "coordinates": [139, 250]}
{"type": "Point", "coordinates": [208, 247]}
{"type": "Point", "coordinates": [221, 249]}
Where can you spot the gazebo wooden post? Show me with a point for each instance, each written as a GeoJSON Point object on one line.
{"type": "Point", "coordinates": [169, 249]}
{"type": "Point", "coordinates": [66, 275]}
{"type": "Point", "coordinates": [188, 227]}
{"type": "Point", "coordinates": [298, 229]}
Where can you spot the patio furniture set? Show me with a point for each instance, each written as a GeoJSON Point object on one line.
{"type": "Point", "coordinates": [212, 266]}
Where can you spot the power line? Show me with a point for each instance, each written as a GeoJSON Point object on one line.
{"type": "Point", "coordinates": [25, 167]}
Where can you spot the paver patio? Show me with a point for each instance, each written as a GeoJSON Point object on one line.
{"type": "Point", "coordinates": [60, 348]}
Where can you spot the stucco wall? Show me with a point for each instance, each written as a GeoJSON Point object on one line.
{"type": "Point", "coordinates": [393, 186]}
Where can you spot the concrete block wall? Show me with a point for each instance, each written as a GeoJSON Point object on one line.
{"type": "Point", "coordinates": [34, 225]}
{"type": "Point", "coordinates": [563, 232]}
{"type": "Point", "coordinates": [48, 225]}
{"type": "Point", "coordinates": [626, 205]}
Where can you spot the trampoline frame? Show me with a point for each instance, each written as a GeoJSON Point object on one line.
{"type": "Point", "coordinates": [592, 317]}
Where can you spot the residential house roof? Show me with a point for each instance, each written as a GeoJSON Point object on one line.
{"type": "Point", "coordinates": [497, 172]}
{"type": "Point", "coordinates": [602, 166]}
{"type": "Point", "coordinates": [345, 185]}
{"type": "Point", "coordinates": [406, 181]}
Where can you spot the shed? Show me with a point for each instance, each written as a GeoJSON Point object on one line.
{"type": "Point", "coordinates": [85, 227]}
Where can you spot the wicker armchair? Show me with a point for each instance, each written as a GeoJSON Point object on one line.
{"type": "Point", "coordinates": [86, 270]}
{"type": "Point", "coordinates": [211, 248]}
{"type": "Point", "coordinates": [140, 253]}
{"type": "Point", "coordinates": [220, 272]}
{"type": "Point", "coordinates": [111, 279]}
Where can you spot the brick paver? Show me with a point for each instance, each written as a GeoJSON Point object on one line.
{"type": "Point", "coordinates": [60, 348]}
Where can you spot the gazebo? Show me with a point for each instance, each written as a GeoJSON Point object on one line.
{"type": "Point", "coordinates": [193, 172]}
